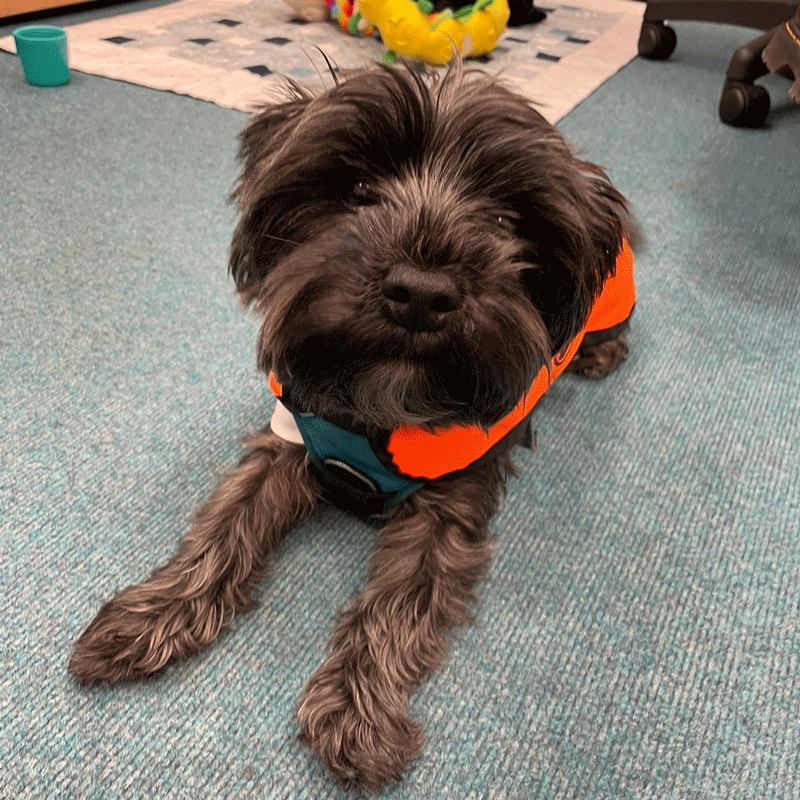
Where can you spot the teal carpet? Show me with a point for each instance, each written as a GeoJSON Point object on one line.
{"type": "Point", "coordinates": [639, 636]}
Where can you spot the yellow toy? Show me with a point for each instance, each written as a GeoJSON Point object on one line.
{"type": "Point", "coordinates": [410, 28]}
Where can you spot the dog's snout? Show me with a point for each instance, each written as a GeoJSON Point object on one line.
{"type": "Point", "coordinates": [419, 300]}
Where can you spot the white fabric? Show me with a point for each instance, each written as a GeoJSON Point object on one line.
{"type": "Point", "coordinates": [283, 424]}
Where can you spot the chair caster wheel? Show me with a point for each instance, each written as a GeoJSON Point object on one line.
{"type": "Point", "coordinates": [657, 41]}
{"type": "Point", "coordinates": [743, 105]}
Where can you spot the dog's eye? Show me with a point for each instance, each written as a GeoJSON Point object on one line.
{"type": "Point", "coordinates": [507, 222]}
{"type": "Point", "coordinates": [361, 194]}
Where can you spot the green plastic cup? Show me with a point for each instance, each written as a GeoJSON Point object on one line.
{"type": "Point", "coordinates": [43, 52]}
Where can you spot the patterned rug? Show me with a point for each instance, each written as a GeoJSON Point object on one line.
{"type": "Point", "coordinates": [233, 52]}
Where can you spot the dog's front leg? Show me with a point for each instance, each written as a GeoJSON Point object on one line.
{"type": "Point", "coordinates": [185, 604]}
{"type": "Point", "coordinates": [428, 559]}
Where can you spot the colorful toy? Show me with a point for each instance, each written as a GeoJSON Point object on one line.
{"type": "Point", "coordinates": [343, 11]}
{"type": "Point", "coordinates": [411, 28]}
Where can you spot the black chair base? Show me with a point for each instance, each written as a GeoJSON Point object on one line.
{"type": "Point", "coordinates": [742, 104]}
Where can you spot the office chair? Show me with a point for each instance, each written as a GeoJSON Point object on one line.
{"type": "Point", "coordinates": [742, 103]}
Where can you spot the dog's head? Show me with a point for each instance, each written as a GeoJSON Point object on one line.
{"type": "Point", "coordinates": [418, 247]}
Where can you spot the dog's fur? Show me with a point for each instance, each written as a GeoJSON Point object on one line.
{"type": "Point", "coordinates": [463, 182]}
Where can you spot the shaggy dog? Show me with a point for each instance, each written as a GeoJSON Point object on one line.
{"type": "Point", "coordinates": [426, 255]}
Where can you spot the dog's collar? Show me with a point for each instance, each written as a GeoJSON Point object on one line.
{"type": "Point", "coordinates": [359, 472]}
{"type": "Point", "coordinates": [345, 463]}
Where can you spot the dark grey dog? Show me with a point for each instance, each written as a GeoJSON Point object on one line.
{"type": "Point", "coordinates": [426, 254]}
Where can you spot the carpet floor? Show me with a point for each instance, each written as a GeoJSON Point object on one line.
{"type": "Point", "coordinates": [639, 634]}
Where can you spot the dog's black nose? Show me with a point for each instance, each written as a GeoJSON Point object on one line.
{"type": "Point", "coordinates": [419, 300]}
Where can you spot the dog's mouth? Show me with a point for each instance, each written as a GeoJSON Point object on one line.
{"type": "Point", "coordinates": [429, 378]}
{"type": "Point", "coordinates": [421, 346]}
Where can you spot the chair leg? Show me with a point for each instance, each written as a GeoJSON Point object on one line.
{"type": "Point", "coordinates": [743, 104]}
{"type": "Point", "coordinates": [657, 41]}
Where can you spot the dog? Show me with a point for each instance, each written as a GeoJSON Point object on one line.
{"type": "Point", "coordinates": [426, 254]}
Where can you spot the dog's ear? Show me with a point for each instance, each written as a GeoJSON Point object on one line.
{"type": "Point", "coordinates": [581, 221]}
{"type": "Point", "coordinates": [608, 224]}
{"type": "Point", "coordinates": [261, 235]}
{"type": "Point", "coordinates": [263, 138]}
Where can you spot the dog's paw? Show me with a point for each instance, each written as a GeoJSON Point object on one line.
{"type": "Point", "coordinates": [599, 360]}
{"type": "Point", "coordinates": [133, 638]}
{"type": "Point", "coordinates": [364, 740]}
{"type": "Point", "coordinates": [121, 644]}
